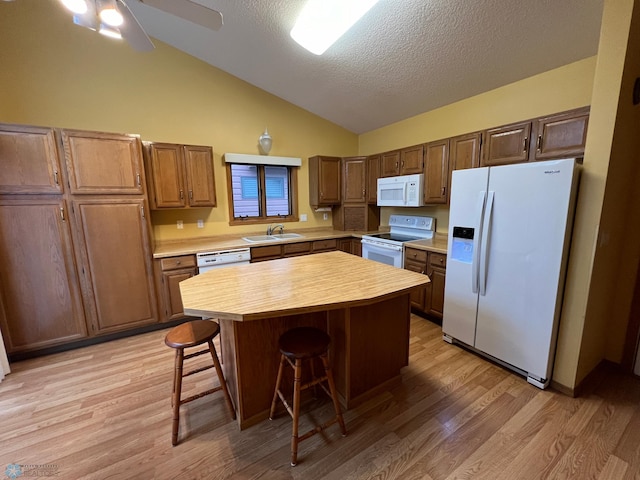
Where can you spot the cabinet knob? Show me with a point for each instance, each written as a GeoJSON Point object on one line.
{"type": "Point", "coordinates": [178, 262]}
{"type": "Point", "coordinates": [524, 144]}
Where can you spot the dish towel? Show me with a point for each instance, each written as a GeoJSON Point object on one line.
{"type": "Point", "coordinates": [4, 361]}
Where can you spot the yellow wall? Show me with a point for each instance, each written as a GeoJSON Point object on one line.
{"type": "Point", "coordinates": [56, 74]}
{"type": "Point", "coordinates": [615, 144]}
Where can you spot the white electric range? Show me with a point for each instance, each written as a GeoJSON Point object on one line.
{"type": "Point", "coordinates": [388, 247]}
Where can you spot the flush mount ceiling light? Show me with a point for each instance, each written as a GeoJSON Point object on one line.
{"type": "Point", "coordinates": [322, 22]}
{"type": "Point", "coordinates": [76, 6]}
{"type": "Point", "coordinates": [109, 14]}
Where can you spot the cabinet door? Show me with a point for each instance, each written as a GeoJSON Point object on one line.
{"type": "Point", "coordinates": [505, 145]}
{"type": "Point", "coordinates": [561, 136]}
{"type": "Point", "coordinates": [165, 166]}
{"type": "Point", "coordinates": [436, 304]}
{"type": "Point", "coordinates": [200, 180]}
{"type": "Point", "coordinates": [436, 172]}
{"type": "Point", "coordinates": [165, 162]}
{"type": "Point", "coordinates": [114, 250]}
{"type": "Point", "coordinates": [373, 173]}
{"type": "Point", "coordinates": [417, 295]}
{"type": "Point", "coordinates": [390, 164]}
{"type": "Point", "coordinates": [354, 179]}
{"type": "Point", "coordinates": [344, 245]}
{"type": "Point", "coordinates": [29, 160]}
{"type": "Point", "coordinates": [172, 298]}
{"type": "Point", "coordinates": [324, 181]}
{"type": "Point", "coordinates": [411, 160]}
{"type": "Point", "coordinates": [464, 151]}
{"type": "Point", "coordinates": [40, 303]}
{"type": "Point", "coordinates": [103, 163]}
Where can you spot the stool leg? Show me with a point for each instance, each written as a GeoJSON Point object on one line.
{"type": "Point", "coordinates": [223, 382]}
{"type": "Point", "coordinates": [334, 395]}
{"type": "Point", "coordinates": [272, 412]}
{"type": "Point", "coordinates": [297, 380]}
{"type": "Point", "coordinates": [177, 389]}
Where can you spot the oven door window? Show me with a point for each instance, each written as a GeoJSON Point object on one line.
{"type": "Point", "coordinates": [387, 256]}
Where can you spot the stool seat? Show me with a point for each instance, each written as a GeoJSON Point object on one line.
{"type": "Point", "coordinates": [303, 342]}
{"type": "Point", "coordinates": [190, 334]}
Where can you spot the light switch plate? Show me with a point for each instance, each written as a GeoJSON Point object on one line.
{"type": "Point", "coordinates": [179, 224]}
{"type": "Point", "coordinates": [200, 223]}
{"type": "Point", "coordinates": [303, 217]}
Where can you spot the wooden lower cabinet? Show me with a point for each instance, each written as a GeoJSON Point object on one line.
{"type": "Point", "coordinates": [40, 301]}
{"type": "Point", "coordinates": [114, 253]}
{"type": "Point", "coordinates": [350, 245]}
{"type": "Point", "coordinates": [429, 300]}
{"type": "Point", "coordinates": [169, 273]}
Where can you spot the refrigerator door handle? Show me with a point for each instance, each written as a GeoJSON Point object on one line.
{"type": "Point", "coordinates": [486, 224]}
{"type": "Point", "coordinates": [475, 260]}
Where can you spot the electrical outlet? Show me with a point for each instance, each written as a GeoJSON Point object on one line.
{"type": "Point", "coordinates": [303, 217]}
{"type": "Point", "coordinates": [179, 224]}
{"type": "Point", "coordinates": [325, 216]}
{"type": "Point", "coordinates": [200, 223]}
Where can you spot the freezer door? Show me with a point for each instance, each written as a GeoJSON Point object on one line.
{"type": "Point", "coordinates": [468, 193]}
{"type": "Point", "coordinates": [527, 240]}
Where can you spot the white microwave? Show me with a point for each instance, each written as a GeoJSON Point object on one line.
{"type": "Point", "coordinates": [402, 191]}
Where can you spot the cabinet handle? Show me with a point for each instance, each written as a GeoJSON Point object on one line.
{"type": "Point", "coordinates": [191, 194]}
{"type": "Point", "coordinates": [55, 177]}
{"type": "Point", "coordinates": [539, 143]}
{"type": "Point", "coordinates": [138, 179]}
{"type": "Point", "coordinates": [62, 214]}
{"type": "Point", "coordinates": [321, 195]}
{"type": "Point", "coordinates": [142, 211]}
{"type": "Point", "coordinates": [181, 195]}
{"type": "Point", "coordinates": [524, 144]}
{"type": "Point", "coordinates": [444, 189]}
{"type": "Point", "coordinates": [396, 164]}
{"type": "Point", "coordinates": [363, 192]}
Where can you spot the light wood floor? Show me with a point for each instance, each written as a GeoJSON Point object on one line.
{"type": "Point", "coordinates": [104, 412]}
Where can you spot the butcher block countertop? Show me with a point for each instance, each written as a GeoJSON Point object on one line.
{"type": "Point", "coordinates": [289, 286]}
{"type": "Point", "coordinates": [190, 246]}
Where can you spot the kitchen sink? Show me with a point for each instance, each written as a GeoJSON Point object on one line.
{"type": "Point", "coordinates": [283, 236]}
{"type": "Point", "coordinates": [270, 238]}
{"type": "Point", "coordinates": [259, 238]}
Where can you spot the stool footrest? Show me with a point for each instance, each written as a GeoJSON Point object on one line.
{"type": "Point", "coordinates": [195, 354]}
{"type": "Point", "coordinates": [317, 429]}
{"type": "Point", "coordinates": [200, 395]}
{"type": "Point", "coordinates": [197, 370]}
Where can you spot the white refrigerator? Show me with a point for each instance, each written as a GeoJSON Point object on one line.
{"type": "Point", "coordinates": [509, 234]}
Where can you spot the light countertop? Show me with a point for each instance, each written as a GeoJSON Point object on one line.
{"type": "Point", "coordinates": [190, 246]}
{"type": "Point", "coordinates": [287, 286]}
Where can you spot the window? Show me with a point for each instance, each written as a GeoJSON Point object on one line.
{"type": "Point", "coordinates": [261, 193]}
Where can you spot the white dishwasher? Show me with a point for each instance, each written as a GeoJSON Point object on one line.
{"type": "Point", "coordinates": [222, 258]}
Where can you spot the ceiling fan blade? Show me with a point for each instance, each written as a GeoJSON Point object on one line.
{"type": "Point", "coordinates": [132, 31]}
{"type": "Point", "coordinates": [190, 11]}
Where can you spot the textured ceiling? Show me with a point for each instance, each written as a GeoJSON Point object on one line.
{"type": "Point", "coordinates": [403, 58]}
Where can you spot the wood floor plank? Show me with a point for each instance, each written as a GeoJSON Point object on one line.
{"type": "Point", "coordinates": [104, 412]}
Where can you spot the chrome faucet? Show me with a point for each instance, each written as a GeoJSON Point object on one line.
{"type": "Point", "coordinates": [271, 229]}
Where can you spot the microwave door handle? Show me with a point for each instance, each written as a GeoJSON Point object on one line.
{"type": "Point", "coordinates": [404, 193]}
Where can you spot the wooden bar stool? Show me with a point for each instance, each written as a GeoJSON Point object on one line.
{"type": "Point", "coordinates": [296, 346]}
{"type": "Point", "coordinates": [192, 334]}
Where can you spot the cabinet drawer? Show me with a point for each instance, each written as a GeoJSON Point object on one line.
{"type": "Point", "coordinates": [414, 266]}
{"type": "Point", "coordinates": [319, 245]}
{"type": "Point", "coordinates": [184, 261]}
{"type": "Point", "coordinates": [416, 255]}
{"type": "Point", "coordinates": [296, 248]}
{"type": "Point", "coordinates": [438, 260]}
{"type": "Point", "coordinates": [270, 251]}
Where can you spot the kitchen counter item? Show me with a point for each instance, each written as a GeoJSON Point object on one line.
{"type": "Point", "coordinates": [362, 305]}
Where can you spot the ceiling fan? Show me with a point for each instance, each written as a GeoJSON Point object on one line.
{"type": "Point", "coordinates": [114, 18]}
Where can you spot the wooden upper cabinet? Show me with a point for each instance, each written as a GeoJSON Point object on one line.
{"type": "Point", "coordinates": [180, 176]}
{"type": "Point", "coordinates": [505, 145]}
{"type": "Point", "coordinates": [373, 173]}
{"type": "Point", "coordinates": [354, 179]}
{"type": "Point", "coordinates": [464, 151]}
{"type": "Point", "coordinates": [201, 185]}
{"type": "Point", "coordinates": [29, 160]}
{"type": "Point", "coordinates": [411, 160]}
{"type": "Point", "coordinates": [560, 136]}
{"type": "Point", "coordinates": [103, 163]}
{"type": "Point", "coordinates": [324, 181]}
{"type": "Point", "coordinates": [40, 301]}
{"type": "Point", "coordinates": [114, 249]}
{"type": "Point", "coordinates": [390, 164]}
{"type": "Point", "coordinates": [436, 172]}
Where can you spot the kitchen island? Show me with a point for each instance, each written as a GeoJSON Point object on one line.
{"type": "Point", "coordinates": [363, 305]}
